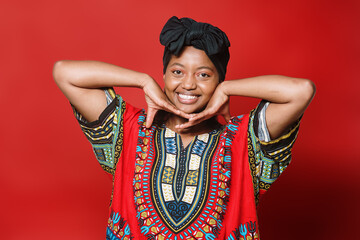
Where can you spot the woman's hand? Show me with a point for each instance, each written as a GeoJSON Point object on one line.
{"type": "Point", "coordinates": [218, 105]}
{"type": "Point", "coordinates": [157, 100]}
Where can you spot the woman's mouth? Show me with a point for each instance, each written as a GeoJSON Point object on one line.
{"type": "Point", "coordinates": [187, 98]}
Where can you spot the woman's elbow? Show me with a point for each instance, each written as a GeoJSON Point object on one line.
{"type": "Point", "coordinates": [309, 89]}
{"type": "Point", "coordinates": [305, 90]}
{"type": "Point", "coordinates": [59, 71]}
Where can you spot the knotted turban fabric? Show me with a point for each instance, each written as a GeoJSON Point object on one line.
{"type": "Point", "coordinates": [178, 33]}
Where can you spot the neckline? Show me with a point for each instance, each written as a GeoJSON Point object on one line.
{"type": "Point", "coordinates": [194, 138]}
{"type": "Point", "coordinates": [209, 132]}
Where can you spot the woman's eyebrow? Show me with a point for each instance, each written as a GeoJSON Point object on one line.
{"type": "Point", "coordinates": [177, 64]}
{"type": "Point", "coordinates": [201, 67]}
{"type": "Point", "coordinates": [206, 67]}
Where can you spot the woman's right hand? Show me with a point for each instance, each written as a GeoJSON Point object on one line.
{"type": "Point", "coordinates": [157, 100]}
{"type": "Point", "coordinates": [82, 83]}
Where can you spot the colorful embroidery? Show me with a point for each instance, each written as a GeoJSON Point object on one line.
{"type": "Point", "coordinates": [268, 160]}
{"type": "Point", "coordinates": [246, 231]}
{"type": "Point", "coordinates": [179, 201]}
{"type": "Point", "coordinates": [119, 133]}
{"type": "Point", "coordinates": [101, 136]}
{"type": "Point", "coordinates": [117, 228]}
{"type": "Point", "coordinates": [182, 193]}
{"type": "Point", "coordinates": [189, 186]}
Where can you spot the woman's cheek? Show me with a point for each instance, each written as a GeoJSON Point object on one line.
{"type": "Point", "coordinates": [208, 88]}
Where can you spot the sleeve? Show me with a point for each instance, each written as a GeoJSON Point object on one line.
{"type": "Point", "coordinates": [268, 158]}
{"type": "Point", "coordinates": [106, 134]}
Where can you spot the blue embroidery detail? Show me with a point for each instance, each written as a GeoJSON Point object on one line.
{"type": "Point", "coordinates": [117, 224]}
{"type": "Point", "coordinates": [180, 213]}
{"type": "Point", "coordinates": [177, 209]}
{"type": "Point", "coordinates": [170, 145]}
{"type": "Point", "coordinates": [199, 147]}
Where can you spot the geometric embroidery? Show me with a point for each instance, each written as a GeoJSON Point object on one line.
{"type": "Point", "coordinates": [187, 191]}
{"type": "Point", "coordinates": [268, 160]}
{"type": "Point", "coordinates": [189, 194]}
{"type": "Point", "coordinates": [170, 160]}
{"type": "Point", "coordinates": [106, 135]}
{"type": "Point", "coordinates": [107, 153]}
{"type": "Point", "coordinates": [167, 191]}
{"type": "Point", "coordinates": [194, 162]}
{"type": "Point", "coordinates": [182, 193]}
{"type": "Point", "coordinates": [192, 178]}
{"type": "Point", "coordinates": [180, 205]}
{"type": "Point", "coordinates": [170, 145]}
{"type": "Point", "coordinates": [198, 147]}
{"type": "Point", "coordinates": [103, 155]}
{"type": "Point", "coordinates": [99, 154]}
{"type": "Point", "coordinates": [168, 175]}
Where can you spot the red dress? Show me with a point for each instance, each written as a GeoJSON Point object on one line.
{"type": "Point", "coordinates": [163, 190]}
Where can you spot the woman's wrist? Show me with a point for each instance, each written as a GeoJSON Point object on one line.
{"type": "Point", "coordinates": [144, 80]}
{"type": "Point", "coordinates": [224, 87]}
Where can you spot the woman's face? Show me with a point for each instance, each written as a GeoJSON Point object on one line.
{"type": "Point", "coordinates": [190, 80]}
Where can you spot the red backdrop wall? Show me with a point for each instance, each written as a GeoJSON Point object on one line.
{"type": "Point", "coordinates": [51, 185]}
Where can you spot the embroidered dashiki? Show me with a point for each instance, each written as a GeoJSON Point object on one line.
{"type": "Point", "coordinates": [206, 190]}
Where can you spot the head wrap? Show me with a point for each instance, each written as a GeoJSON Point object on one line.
{"type": "Point", "coordinates": [178, 33]}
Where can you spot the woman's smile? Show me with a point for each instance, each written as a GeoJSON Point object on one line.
{"type": "Point", "coordinates": [186, 98]}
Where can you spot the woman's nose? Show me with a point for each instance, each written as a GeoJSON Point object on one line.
{"type": "Point", "coordinates": [189, 82]}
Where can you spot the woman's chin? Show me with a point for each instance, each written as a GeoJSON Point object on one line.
{"type": "Point", "coordinates": [190, 110]}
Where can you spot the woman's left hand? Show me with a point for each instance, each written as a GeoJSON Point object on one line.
{"type": "Point", "coordinates": [218, 105]}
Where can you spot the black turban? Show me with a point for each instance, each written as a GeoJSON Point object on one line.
{"type": "Point", "coordinates": [178, 33]}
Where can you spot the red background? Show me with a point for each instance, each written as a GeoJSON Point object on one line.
{"type": "Point", "coordinates": [53, 188]}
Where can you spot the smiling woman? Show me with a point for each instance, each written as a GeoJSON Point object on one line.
{"type": "Point", "coordinates": [172, 175]}
{"type": "Point", "coordinates": [190, 80]}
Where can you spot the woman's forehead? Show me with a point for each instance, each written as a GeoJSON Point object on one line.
{"type": "Point", "coordinates": [192, 57]}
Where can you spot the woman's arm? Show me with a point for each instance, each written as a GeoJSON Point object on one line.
{"type": "Point", "coordinates": [288, 99]}
{"type": "Point", "coordinates": [82, 83]}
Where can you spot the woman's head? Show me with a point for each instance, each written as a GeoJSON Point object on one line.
{"type": "Point", "coordinates": [190, 80]}
{"type": "Point", "coordinates": [179, 33]}
{"type": "Point", "coordinates": [195, 60]}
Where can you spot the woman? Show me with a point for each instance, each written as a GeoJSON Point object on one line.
{"type": "Point", "coordinates": [172, 166]}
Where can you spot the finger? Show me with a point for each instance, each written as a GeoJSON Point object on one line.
{"type": "Point", "coordinates": [150, 117]}
{"type": "Point", "coordinates": [187, 125]}
{"type": "Point", "coordinates": [202, 115]}
{"type": "Point", "coordinates": [227, 116]}
{"type": "Point", "coordinates": [171, 108]}
{"type": "Point", "coordinates": [195, 119]}
{"type": "Point", "coordinates": [185, 115]}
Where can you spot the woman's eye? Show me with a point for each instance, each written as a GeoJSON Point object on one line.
{"type": "Point", "coordinates": [204, 75]}
{"type": "Point", "coordinates": [177, 72]}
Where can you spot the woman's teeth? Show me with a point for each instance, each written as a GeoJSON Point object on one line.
{"type": "Point", "coordinates": [187, 96]}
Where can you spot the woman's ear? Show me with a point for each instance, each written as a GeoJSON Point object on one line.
{"type": "Point", "coordinates": [164, 82]}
